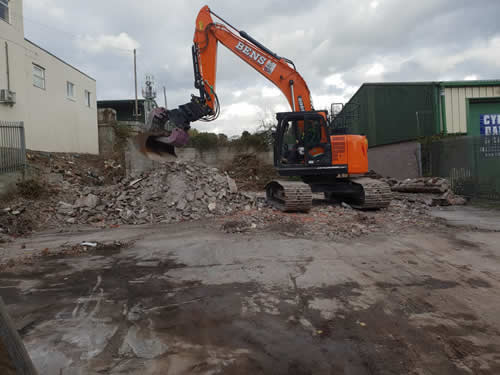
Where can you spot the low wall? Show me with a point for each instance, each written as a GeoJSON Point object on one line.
{"type": "Point", "coordinates": [399, 160]}
{"type": "Point", "coordinates": [222, 156]}
{"type": "Point", "coordinates": [218, 158]}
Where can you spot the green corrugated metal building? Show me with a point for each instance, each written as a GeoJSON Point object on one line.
{"type": "Point", "coordinates": [396, 112]}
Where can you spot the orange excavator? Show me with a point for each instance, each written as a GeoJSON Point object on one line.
{"type": "Point", "coordinates": [304, 145]}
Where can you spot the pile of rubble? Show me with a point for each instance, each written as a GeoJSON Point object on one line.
{"type": "Point", "coordinates": [436, 190]}
{"type": "Point", "coordinates": [82, 169]}
{"type": "Point", "coordinates": [174, 192]}
{"type": "Point", "coordinates": [250, 173]}
{"type": "Point", "coordinates": [86, 190]}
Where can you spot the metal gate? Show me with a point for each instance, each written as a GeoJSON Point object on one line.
{"type": "Point", "coordinates": [12, 147]}
{"type": "Point", "coordinates": [471, 163]}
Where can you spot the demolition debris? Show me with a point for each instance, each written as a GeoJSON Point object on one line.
{"type": "Point", "coordinates": [80, 190]}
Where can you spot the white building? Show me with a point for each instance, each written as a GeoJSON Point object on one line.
{"type": "Point", "coordinates": [56, 101]}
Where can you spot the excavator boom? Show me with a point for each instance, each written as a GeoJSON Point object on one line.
{"type": "Point", "coordinates": [279, 70]}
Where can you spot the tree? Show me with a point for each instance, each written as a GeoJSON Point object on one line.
{"type": "Point", "coordinates": [204, 141]}
{"type": "Point", "coordinates": [222, 139]}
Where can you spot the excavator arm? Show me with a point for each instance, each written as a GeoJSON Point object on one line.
{"type": "Point", "coordinates": [206, 107]}
{"type": "Point", "coordinates": [279, 70]}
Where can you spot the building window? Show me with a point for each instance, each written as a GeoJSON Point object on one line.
{"type": "Point", "coordinates": [87, 98]}
{"type": "Point", "coordinates": [70, 90]}
{"type": "Point", "coordinates": [4, 10]}
{"type": "Point", "coordinates": [38, 76]}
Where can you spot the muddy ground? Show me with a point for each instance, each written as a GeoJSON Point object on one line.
{"type": "Point", "coordinates": [191, 299]}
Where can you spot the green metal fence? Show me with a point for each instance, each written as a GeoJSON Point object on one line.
{"type": "Point", "coordinates": [472, 163]}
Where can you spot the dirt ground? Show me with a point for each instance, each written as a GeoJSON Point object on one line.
{"type": "Point", "coordinates": [190, 298]}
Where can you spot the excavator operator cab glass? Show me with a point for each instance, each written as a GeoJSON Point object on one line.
{"type": "Point", "coordinates": [293, 148]}
{"type": "Point", "coordinates": [302, 140]}
{"type": "Point", "coordinates": [316, 143]}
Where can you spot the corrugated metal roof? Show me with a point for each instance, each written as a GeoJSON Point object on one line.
{"type": "Point", "coordinates": [419, 83]}
{"type": "Point", "coordinates": [479, 82]}
{"type": "Point", "coordinates": [111, 101]}
{"type": "Point", "coordinates": [487, 82]}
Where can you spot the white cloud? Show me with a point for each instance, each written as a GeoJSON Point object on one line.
{"type": "Point", "coordinates": [325, 101]}
{"type": "Point", "coordinates": [374, 4]}
{"type": "Point", "coordinates": [237, 93]}
{"type": "Point", "coordinates": [280, 108]}
{"type": "Point", "coordinates": [270, 92]}
{"type": "Point", "coordinates": [486, 52]}
{"type": "Point", "coordinates": [335, 80]}
{"type": "Point", "coordinates": [376, 69]}
{"type": "Point", "coordinates": [103, 43]}
{"type": "Point", "coordinates": [47, 6]}
{"type": "Point", "coordinates": [471, 77]}
{"type": "Point", "coordinates": [239, 110]}
{"type": "Point", "coordinates": [57, 12]}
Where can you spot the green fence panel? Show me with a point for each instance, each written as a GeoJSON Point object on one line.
{"type": "Point", "coordinates": [472, 163]}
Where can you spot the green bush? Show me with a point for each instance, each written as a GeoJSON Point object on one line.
{"type": "Point", "coordinates": [259, 141]}
{"type": "Point", "coordinates": [204, 141]}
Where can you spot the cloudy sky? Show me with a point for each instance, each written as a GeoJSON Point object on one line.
{"type": "Point", "coordinates": [335, 44]}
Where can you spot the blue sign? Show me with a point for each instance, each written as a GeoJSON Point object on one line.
{"type": "Point", "coordinates": [489, 124]}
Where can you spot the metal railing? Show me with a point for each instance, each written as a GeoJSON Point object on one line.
{"type": "Point", "coordinates": [12, 147]}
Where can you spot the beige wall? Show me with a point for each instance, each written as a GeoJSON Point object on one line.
{"type": "Point", "coordinates": [13, 32]}
{"type": "Point", "coordinates": [456, 106]}
{"type": "Point", "coordinates": [52, 121]}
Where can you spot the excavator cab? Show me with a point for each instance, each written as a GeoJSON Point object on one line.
{"type": "Point", "coordinates": [326, 163]}
{"type": "Point", "coordinates": [302, 144]}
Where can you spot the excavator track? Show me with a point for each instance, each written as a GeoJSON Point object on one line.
{"type": "Point", "coordinates": [377, 194]}
{"type": "Point", "coordinates": [289, 196]}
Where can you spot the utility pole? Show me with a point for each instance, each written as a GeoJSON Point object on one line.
{"type": "Point", "coordinates": [165, 96]}
{"type": "Point", "coordinates": [135, 80]}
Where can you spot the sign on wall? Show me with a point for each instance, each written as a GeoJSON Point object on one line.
{"type": "Point", "coordinates": [489, 124]}
{"type": "Point", "coordinates": [490, 129]}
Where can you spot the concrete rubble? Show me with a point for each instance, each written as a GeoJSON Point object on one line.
{"type": "Point", "coordinates": [429, 185]}
{"type": "Point", "coordinates": [85, 192]}
{"type": "Point", "coordinates": [331, 221]}
{"type": "Point", "coordinates": [174, 192]}
{"type": "Point", "coordinates": [422, 185]}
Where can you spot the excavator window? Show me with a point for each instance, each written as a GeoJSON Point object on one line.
{"type": "Point", "coordinates": [312, 133]}
{"type": "Point", "coordinates": [315, 141]}
{"type": "Point", "coordinates": [303, 140]}
{"type": "Point", "coordinates": [293, 144]}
